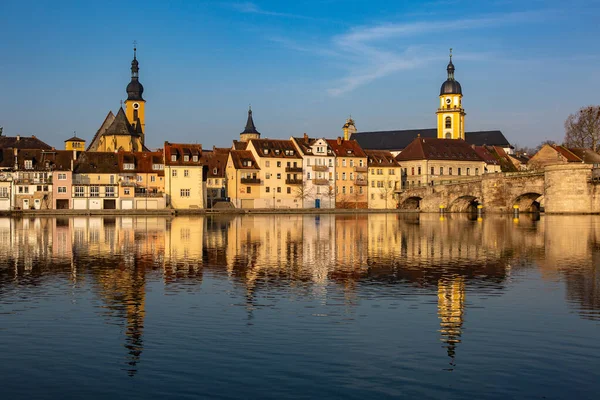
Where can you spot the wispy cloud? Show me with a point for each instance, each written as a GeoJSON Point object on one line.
{"type": "Point", "coordinates": [252, 8]}
{"type": "Point", "coordinates": [373, 52]}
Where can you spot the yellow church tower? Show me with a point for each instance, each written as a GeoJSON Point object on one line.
{"type": "Point", "coordinates": [135, 104]}
{"type": "Point", "coordinates": [450, 114]}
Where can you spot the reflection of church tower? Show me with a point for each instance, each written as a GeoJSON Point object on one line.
{"type": "Point", "coordinates": [451, 307]}
{"type": "Point", "coordinates": [250, 131]}
{"type": "Point", "coordinates": [123, 289]}
{"type": "Point", "coordinates": [451, 115]}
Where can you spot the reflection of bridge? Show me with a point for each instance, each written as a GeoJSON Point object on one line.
{"type": "Point", "coordinates": [561, 188]}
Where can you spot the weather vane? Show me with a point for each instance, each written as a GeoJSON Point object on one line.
{"type": "Point", "coordinates": [450, 53]}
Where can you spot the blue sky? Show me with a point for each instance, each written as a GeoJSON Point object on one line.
{"type": "Point", "coordinates": [305, 66]}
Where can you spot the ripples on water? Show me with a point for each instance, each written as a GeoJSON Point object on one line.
{"type": "Point", "coordinates": [300, 306]}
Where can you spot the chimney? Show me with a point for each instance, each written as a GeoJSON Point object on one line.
{"type": "Point", "coordinates": [18, 137]}
{"type": "Point", "coordinates": [74, 154]}
{"type": "Point", "coordinates": [305, 137]}
{"type": "Point", "coordinates": [339, 140]}
{"type": "Point", "coordinates": [15, 152]}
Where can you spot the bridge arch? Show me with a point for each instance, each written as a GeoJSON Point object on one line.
{"type": "Point", "coordinates": [528, 202]}
{"type": "Point", "coordinates": [411, 203]}
{"type": "Point", "coordinates": [466, 203]}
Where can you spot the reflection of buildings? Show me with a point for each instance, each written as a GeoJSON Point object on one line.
{"type": "Point", "coordinates": [317, 256]}
{"type": "Point", "coordinates": [451, 307]}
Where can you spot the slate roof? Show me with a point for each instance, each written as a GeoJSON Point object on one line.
{"type": "Point", "coordinates": [250, 127]}
{"type": "Point", "coordinates": [180, 150]}
{"type": "Point", "coordinates": [399, 140]}
{"type": "Point", "coordinates": [23, 142]}
{"type": "Point", "coordinates": [120, 126]}
{"type": "Point", "coordinates": [75, 139]}
{"type": "Point", "coordinates": [274, 148]}
{"type": "Point", "coordinates": [381, 158]}
{"type": "Point", "coordinates": [237, 145]}
{"type": "Point", "coordinates": [42, 160]}
{"type": "Point", "coordinates": [438, 149]}
{"type": "Point", "coordinates": [346, 148]}
{"type": "Point", "coordinates": [216, 160]}
{"type": "Point", "coordinates": [143, 162]}
{"type": "Point", "coordinates": [110, 117]}
{"type": "Point", "coordinates": [93, 162]}
{"type": "Point", "coordinates": [243, 159]}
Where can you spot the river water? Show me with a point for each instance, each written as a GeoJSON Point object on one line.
{"type": "Point", "coordinates": [300, 306]}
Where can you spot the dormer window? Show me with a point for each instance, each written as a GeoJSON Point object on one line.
{"type": "Point", "coordinates": [186, 158]}
{"type": "Point", "coordinates": [195, 158]}
{"type": "Point", "coordinates": [173, 157]}
{"type": "Point", "coordinates": [276, 151]}
{"type": "Point", "coordinates": [215, 171]}
{"type": "Point", "coordinates": [28, 164]}
{"type": "Point", "coordinates": [265, 151]}
{"type": "Point", "coordinates": [128, 166]}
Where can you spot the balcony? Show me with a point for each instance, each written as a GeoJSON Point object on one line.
{"type": "Point", "coordinates": [360, 182]}
{"type": "Point", "coordinates": [251, 181]}
{"type": "Point", "coordinates": [361, 169]}
{"type": "Point", "coordinates": [320, 168]}
{"type": "Point", "coordinates": [293, 169]}
{"type": "Point", "coordinates": [293, 181]}
{"type": "Point", "coordinates": [320, 182]}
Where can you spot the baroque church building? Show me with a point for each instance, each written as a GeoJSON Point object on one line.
{"type": "Point", "coordinates": [126, 130]}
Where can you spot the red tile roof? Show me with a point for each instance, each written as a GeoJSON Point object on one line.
{"type": "Point", "coordinates": [180, 150]}
{"type": "Point", "coordinates": [216, 160]}
{"type": "Point", "coordinates": [438, 149]}
{"type": "Point", "coordinates": [243, 159]}
{"type": "Point", "coordinates": [346, 148]}
{"type": "Point", "coordinates": [143, 162]}
{"type": "Point", "coordinates": [273, 148]}
{"type": "Point", "coordinates": [23, 142]}
{"type": "Point", "coordinates": [381, 158]}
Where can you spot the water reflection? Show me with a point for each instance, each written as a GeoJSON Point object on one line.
{"type": "Point", "coordinates": [363, 256]}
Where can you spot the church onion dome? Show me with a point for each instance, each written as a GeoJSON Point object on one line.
{"type": "Point", "coordinates": [135, 89]}
{"type": "Point", "coordinates": [250, 127]}
{"type": "Point", "coordinates": [451, 86]}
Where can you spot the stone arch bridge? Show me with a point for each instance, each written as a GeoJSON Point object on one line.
{"type": "Point", "coordinates": [560, 188]}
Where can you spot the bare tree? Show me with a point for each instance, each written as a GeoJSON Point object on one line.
{"type": "Point", "coordinates": [302, 192]}
{"type": "Point", "coordinates": [331, 195]}
{"type": "Point", "coordinates": [1, 129]}
{"type": "Point", "coordinates": [583, 128]}
{"type": "Point", "coordinates": [387, 190]}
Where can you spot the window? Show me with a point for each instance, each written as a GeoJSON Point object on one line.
{"type": "Point", "coordinates": [308, 175]}
{"type": "Point", "coordinates": [351, 176]}
{"type": "Point", "coordinates": [343, 162]}
{"type": "Point", "coordinates": [432, 171]}
{"type": "Point", "coordinates": [158, 167]}
{"type": "Point", "coordinates": [412, 170]}
{"type": "Point", "coordinates": [476, 171]}
{"type": "Point", "coordinates": [468, 171]}
{"type": "Point", "coordinates": [278, 163]}
{"type": "Point", "coordinates": [195, 158]}
{"type": "Point", "coordinates": [289, 190]}
{"type": "Point", "coordinates": [360, 189]}
{"type": "Point", "coordinates": [94, 191]}
{"type": "Point", "coordinates": [372, 183]}
{"type": "Point", "coordinates": [79, 191]}
{"type": "Point", "coordinates": [184, 192]}
{"type": "Point", "coordinates": [126, 192]}
{"type": "Point", "coordinates": [138, 178]}
{"type": "Point", "coordinates": [448, 122]}
{"type": "Point", "coordinates": [344, 189]}
{"type": "Point", "coordinates": [279, 189]}
{"type": "Point", "coordinates": [39, 188]}
{"type": "Point", "coordinates": [267, 189]}
{"type": "Point", "coordinates": [372, 196]}
{"type": "Point", "coordinates": [441, 170]}
{"type": "Point", "coordinates": [109, 191]}
{"type": "Point", "coordinates": [173, 157]}
{"type": "Point", "coordinates": [28, 164]}
{"type": "Point", "coordinates": [248, 189]}
{"type": "Point", "coordinates": [392, 172]}
{"type": "Point", "coordinates": [128, 166]}
{"type": "Point", "coordinates": [360, 162]}
{"type": "Point", "coordinates": [450, 171]}
{"type": "Point", "coordinates": [186, 158]}
{"type": "Point", "coordinates": [330, 162]}
{"type": "Point", "coordinates": [153, 178]}
{"type": "Point", "coordinates": [267, 176]}
{"type": "Point", "coordinates": [352, 163]}
{"type": "Point", "coordinates": [278, 176]}
{"type": "Point", "coordinates": [343, 176]}
{"type": "Point", "coordinates": [62, 189]}
{"type": "Point", "coordinates": [62, 177]}
{"type": "Point", "coordinates": [459, 171]}
{"type": "Point", "coordinates": [186, 173]}
{"type": "Point", "coordinates": [174, 173]}
{"type": "Point", "coordinates": [372, 171]}
{"type": "Point", "coordinates": [267, 164]}
{"type": "Point", "coordinates": [351, 189]}
{"type": "Point", "coordinates": [45, 188]}
{"type": "Point", "coordinates": [419, 171]}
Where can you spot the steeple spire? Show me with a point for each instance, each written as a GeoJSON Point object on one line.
{"type": "Point", "coordinates": [135, 69]}
{"type": "Point", "coordinates": [135, 88]}
{"type": "Point", "coordinates": [450, 68]}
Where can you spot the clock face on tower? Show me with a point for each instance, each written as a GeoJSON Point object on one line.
{"type": "Point", "coordinates": [136, 106]}
{"type": "Point", "coordinates": [448, 101]}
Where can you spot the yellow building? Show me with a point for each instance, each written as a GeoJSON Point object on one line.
{"type": "Point", "coordinates": [349, 128]}
{"type": "Point", "coordinates": [280, 166]}
{"type": "Point", "coordinates": [350, 173]}
{"type": "Point", "coordinates": [185, 183]}
{"type": "Point", "coordinates": [125, 131]}
{"type": "Point", "coordinates": [450, 114]}
{"type": "Point", "coordinates": [95, 183]}
{"type": "Point", "coordinates": [385, 177]}
{"type": "Point", "coordinates": [243, 181]}
{"type": "Point", "coordinates": [75, 143]}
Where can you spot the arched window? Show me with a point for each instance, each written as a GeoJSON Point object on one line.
{"type": "Point", "coordinates": [448, 122]}
{"type": "Point", "coordinates": [448, 135]}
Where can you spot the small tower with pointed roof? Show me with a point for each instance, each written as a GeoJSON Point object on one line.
{"type": "Point", "coordinates": [349, 128]}
{"type": "Point", "coordinates": [135, 104]}
{"type": "Point", "coordinates": [250, 131]}
{"type": "Point", "coordinates": [75, 143]}
{"type": "Point", "coordinates": [450, 114]}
